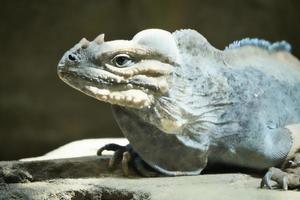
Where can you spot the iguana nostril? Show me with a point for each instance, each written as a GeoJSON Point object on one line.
{"type": "Point", "coordinates": [72, 57]}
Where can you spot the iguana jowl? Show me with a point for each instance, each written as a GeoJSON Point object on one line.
{"type": "Point", "coordinates": [182, 103]}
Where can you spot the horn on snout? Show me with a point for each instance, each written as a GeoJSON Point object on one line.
{"type": "Point", "coordinates": [84, 43]}
{"type": "Point", "coordinates": [99, 39]}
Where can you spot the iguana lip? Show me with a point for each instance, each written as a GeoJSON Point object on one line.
{"type": "Point", "coordinates": [111, 90]}
{"type": "Point", "coordinates": [101, 78]}
{"type": "Point", "coordinates": [93, 75]}
{"type": "Point", "coordinates": [129, 98]}
{"type": "Point", "coordinates": [66, 75]}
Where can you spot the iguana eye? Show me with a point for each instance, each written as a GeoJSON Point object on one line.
{"type": "Point", "coordinates": [122, 60]}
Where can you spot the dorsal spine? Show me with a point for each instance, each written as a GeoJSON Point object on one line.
{"type": "Point", "coordinates": [264, 44]}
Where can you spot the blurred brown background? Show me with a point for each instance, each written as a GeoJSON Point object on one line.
{"type": "Point", "coordinates": [38, 112]}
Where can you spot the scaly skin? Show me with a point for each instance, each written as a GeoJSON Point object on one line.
{"type": "Point", "coordinates": [182, 103]}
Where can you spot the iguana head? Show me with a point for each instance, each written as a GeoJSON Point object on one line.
{"type": "Point", "coordinates": [130, 73]}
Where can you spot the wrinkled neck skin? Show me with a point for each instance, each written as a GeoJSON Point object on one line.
{"type": "Point", "coordinates": [197, 91]}
{"type": "Point", "coordinates": [190, 111]}
{"type": "Point", "coordinates": [185, 115]}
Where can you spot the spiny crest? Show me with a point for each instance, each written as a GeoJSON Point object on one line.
{"type": "Point", "coordinates": [264, 44]}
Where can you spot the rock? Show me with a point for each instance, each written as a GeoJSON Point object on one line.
{"type": "Point", "coordinates": [86, 147]}
{"type": "Point", "coordinates": [221, 186]}
{"type": "Point", "coordinates": [88, 177]}
{"type": "Point", "coordinates": [39, 170]}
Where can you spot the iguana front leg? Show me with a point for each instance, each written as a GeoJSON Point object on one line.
{"type": "Point", "coordinates": [288, 178]}
{"type": "Point", "coordinates": [128, 158]}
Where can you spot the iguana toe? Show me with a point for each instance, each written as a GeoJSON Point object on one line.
{"type": "Point", "coordinates": [266, 180]}
{"type": "Point", "coordinates": [127, 157]}
{"type": "Point", "coordinates": [285, 180]}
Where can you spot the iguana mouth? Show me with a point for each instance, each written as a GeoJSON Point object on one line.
{"type": "Point", "coordinates": [107, 87]}
{"type": "Point", "coordinates": [131, 98]}
{"type": "Point", "coordinates": [119, 72]}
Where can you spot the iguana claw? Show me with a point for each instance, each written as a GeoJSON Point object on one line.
{"type": "Point", "coordinates": [128, 158]}
{"type": "Point", "coordinates": [285, 180]}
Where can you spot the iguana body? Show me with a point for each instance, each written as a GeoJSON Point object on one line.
{"type": "Point", "coordinates": [182, 103]}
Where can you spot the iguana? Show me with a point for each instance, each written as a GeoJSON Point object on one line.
{"type": "Point", "coordinates": [184, 104]}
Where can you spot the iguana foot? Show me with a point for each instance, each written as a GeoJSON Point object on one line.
{"type": "Point", "coordinates": [128, 158]}
{"type": "Point", "coordinates": [285, 180]}
{"type": "Point", "coordinates": [288, 178]}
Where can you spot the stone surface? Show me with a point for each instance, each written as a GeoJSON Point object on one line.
{"type": "Point", "coordinates": [221, 186]}
{"type": "Point", "coordinates": [88, 177]}
{"type": "Point", "coordinates": [86, 147]}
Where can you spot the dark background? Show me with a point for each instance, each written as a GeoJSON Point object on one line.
{"type": "Point", "coordinates": [38, 112]}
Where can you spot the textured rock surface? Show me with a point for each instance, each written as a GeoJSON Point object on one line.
{"type": "Point", "coordinates": [88, 178]}
{"type": "Point", "coordinates": [222, 186]}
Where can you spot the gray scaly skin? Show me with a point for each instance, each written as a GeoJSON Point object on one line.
{"type": "Point", "coordinates": [182, 103]}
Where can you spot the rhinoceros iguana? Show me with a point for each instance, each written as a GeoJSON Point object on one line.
{"type": "Point", "coordinates": [184, 104]}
